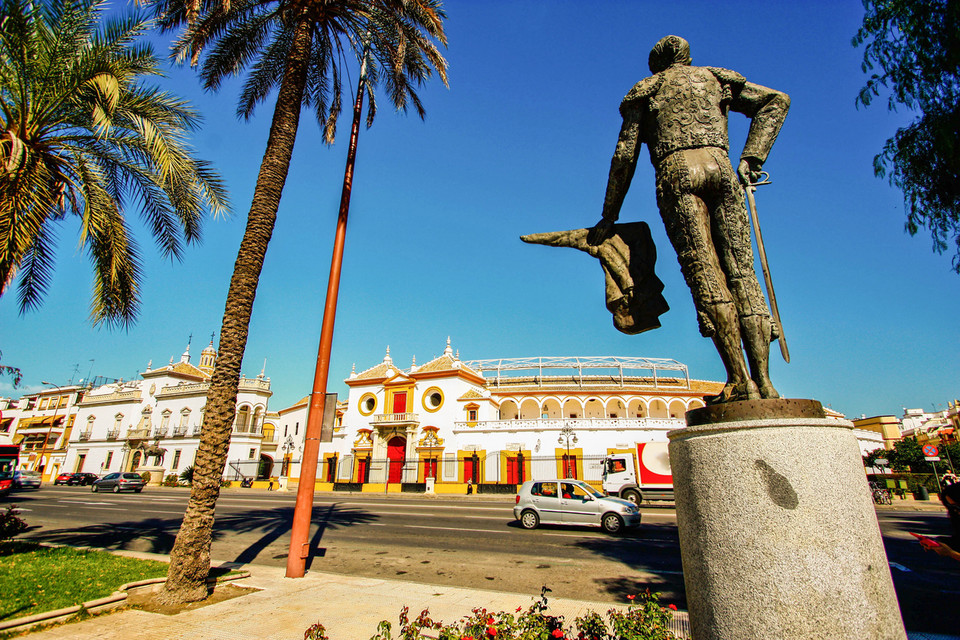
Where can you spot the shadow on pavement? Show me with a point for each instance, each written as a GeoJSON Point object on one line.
{"type": "Point", "coordinates": [157, 535]}
{"type": "Point", "coordinates": [651, 549]}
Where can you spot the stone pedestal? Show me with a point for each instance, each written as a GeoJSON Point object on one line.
{"type": "Point", "coordinates": [156, 475]}
{"type": "Point", "coordinates": [778, 533]}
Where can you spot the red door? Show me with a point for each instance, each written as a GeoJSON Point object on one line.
{"type": "Point", "coordinates": [513, 471]}
{"type": "Point", "coordinates": [569, 466]}
{"type": "Point", "coordinates": [396, 453]}
{"type": "Point", "coordinates": [400, 402]}
{"type": "Point", "coordinates": [363, 468]}
{"type": "Point", "coordinates": [430, 468]}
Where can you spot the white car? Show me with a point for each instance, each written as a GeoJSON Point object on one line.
{"type": "Point", "coordinates": [569, 501]}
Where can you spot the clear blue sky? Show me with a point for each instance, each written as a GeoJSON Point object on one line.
{"type": "Point", "coordinates": [521, 143]}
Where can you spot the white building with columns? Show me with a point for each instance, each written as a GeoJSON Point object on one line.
{"type": "Point", "coordinates": [116, 423]}
{"type": "Point", "coordinates": [451, 423]}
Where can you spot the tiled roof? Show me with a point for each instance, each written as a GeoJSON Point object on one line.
{"type": "Point", "coordinates": [187, 369]}
{"type": "Point", "coordinates": [443, 363]}
{"type": "Point", "coordinates": [382, 370]}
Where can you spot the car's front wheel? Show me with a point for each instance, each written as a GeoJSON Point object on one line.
{"type": "Point", "coordinates": [611, 523]}
{"type": "Point", "coordinates": [632, 496]}
{"type": "Point", "coordinates": [94, 488]}
{"type": "Point", "coordinates": [529, 519]}
{"type": "Point", "coordinates": [116, 488]}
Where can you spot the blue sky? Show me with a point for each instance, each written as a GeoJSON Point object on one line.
{"type": "Point", "coordinates": [521, 143]}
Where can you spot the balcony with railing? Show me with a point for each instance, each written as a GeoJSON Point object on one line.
{"type": "Point", "coordinates": [180, 431]}
{"type": "Point", "coordinates": [84, 435]}
{"type": "Point", "coordinates": [112, 434]}
{"type": "Point", "coordinates": [580, 424]}
{"type": "Point", "coordinates": [159, 432]}
{"type": "Point", "coordinates": [117, 396]}
{"type": "Point", "coordinates": [395, 419]}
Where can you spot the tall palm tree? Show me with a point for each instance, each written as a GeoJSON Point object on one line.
{"type": "Point", "coordinates": [81, 134]}
{"type": "Point", "coordinates": [301, 48]}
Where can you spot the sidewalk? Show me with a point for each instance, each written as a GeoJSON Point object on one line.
{"type": "Point", "coordinates": [349, 607]}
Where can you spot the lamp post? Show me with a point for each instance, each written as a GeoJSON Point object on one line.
{"type": "Point", "coordinates": [53, 421]}
{"type": "Point", "coordinates": [287, 447]}
{"type": "Point", "coordinates": [567, 435]}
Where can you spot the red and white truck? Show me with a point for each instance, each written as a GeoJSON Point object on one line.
{"type": "Point", "coordinates": [645, 475]}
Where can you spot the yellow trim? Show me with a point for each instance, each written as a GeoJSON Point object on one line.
{"type": "Point", "coordinates": [391, 398]}
{"type": "Point", "coordinates": [357, 457]}
{"type": "Point", "coordinates": [514, 454]}
{"type": "Point", "coordinates": [427, 394]}
{"type": "Point", "coordinates": [362, 401]}
{"type": "Point", "coordinates": [578, 452]}
{"type": "Point", "coordinates": [462, 456]}
{"type": "Point", "coordinates": [429, 454]}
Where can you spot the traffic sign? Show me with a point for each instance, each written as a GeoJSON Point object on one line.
{"type": "Point", "coordinates": [930, 450]}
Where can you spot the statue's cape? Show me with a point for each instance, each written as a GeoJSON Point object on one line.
{"type": "Point", "coordinates": [628, 257]}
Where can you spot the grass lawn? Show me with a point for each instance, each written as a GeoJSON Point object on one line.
{"type": "Point", "coordinates": [34, 579]}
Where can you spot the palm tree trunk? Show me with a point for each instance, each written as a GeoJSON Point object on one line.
{"type": "Point", "coordinates": [190, 556]}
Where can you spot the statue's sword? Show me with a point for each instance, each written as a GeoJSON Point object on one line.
{"type": "Point", "coordinates": [749, 189]}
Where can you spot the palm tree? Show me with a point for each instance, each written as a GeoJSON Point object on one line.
{"type": "Point", "coordinates": [82, 134]}
{"type": "Point", "coordinates": [301, 48]}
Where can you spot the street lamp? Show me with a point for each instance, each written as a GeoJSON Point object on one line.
{"type": "Point", "coordinates": [287, 447]}
{"type": "Point", "coordinates": [567, 434]}
{"type": "Point", "coordinates": [53, 421]}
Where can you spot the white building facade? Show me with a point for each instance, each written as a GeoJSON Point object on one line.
{"type": "Point", "coordinates": [122, 426]}
{"type": "Point", "coordinates": [450, 425]}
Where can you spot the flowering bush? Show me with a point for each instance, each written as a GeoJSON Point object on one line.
{"type": "Point", "coordinates": [10, 524]}
{"type": "Point", "coordinates": [644, 619]}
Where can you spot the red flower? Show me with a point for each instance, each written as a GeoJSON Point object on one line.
{"type": "Point", "coordinates": [672, 606]}
{"type": "Point", "coordinates": [518, 609]}
{"type": "Point", "coordinates": [631, 598]}
{"type": "Point", "coordinates": [491, 631]}
{"type": "Point", "coordinates": [467, 638]}
{"type": "Point", "coordinates": [557, 633]}
{"type": "Point", "coordinates": [491, 621]}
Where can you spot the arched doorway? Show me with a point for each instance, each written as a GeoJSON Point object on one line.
{"type": "Point", "coordinates": [265, 468]}
{"type": "Point", "coordinates": [135, 462]}
{"type": "Point", "coordinates": [396, 456]}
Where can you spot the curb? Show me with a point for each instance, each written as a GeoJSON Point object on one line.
{"type": "Point", "coordinates": [99, 605]}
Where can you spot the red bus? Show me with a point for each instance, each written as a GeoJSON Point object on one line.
{"type": "Point", "coordinates": [9, 454]}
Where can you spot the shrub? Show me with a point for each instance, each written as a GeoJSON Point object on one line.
{"type": "Point", "coordinates": [10, 524]}
{"type": "Point", "coordinates": [145, 476]}
{"type": "Point", "coordinates": [644, 619]}
{"type": "Point", "coordinates": [315, 632]}
{"type": "Point", "coordinates": [171, 480]}
{"type": "Point", "coordinates": [187, 475]}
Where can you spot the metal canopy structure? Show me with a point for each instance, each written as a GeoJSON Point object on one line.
{"type": "Point", "coordinates": [653, 366]}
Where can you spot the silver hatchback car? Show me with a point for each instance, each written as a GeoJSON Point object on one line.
{"type": "Point", "coordinates": [570, 501]}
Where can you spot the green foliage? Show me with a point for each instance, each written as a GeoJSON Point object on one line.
{"type": "Point", "coordinates": [907, 455]}
{"type": "Point", "coordinates": [644, 619]}
{"type": "Point", "coordinates": [82, 135]}
{"type": "Point", "coordinates": [187, 475]}
{"type": "Point", "coordinates": [171, 480]}
{"type": "Point", "coordinates": [145, 476]}
{"type": "Point", "coordinates": [11, 524]}
{"type": "Point", "coordinates": [255, 35]}
{"type": "Point", "coordinates": [316, 632]}
{"type": "Point", "coordinates": [915, 47]}
{"type": "Point", "coordinates": [37, 579]}
{"type": "Point", "coordinates": [13, 372]}
{"type": "Point", "coordinates": [870, 459]}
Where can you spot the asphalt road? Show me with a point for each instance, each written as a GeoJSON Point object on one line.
{"type": "Point", "coordinates": [457, 541]}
